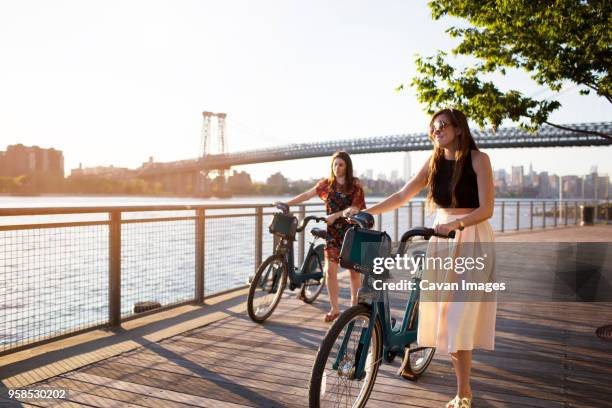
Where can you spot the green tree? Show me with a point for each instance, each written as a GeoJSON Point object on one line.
{"type": "Point", "coordinates": [554, 41]}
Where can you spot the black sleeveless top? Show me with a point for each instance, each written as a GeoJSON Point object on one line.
{"type": "Point", "coordinates": [467, 187]}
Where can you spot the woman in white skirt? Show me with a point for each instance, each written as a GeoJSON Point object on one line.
{"type": "Point", "coordinates": [459, 180]}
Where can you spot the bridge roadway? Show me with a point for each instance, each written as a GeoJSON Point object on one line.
{"type": "Point", "coordinates": [546, 355]}
{"type": "Point", "coordinates": [547, 136]}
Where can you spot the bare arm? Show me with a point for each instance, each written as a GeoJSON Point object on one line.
{"type": "Point", "coordinates": [410, 189]}
{"type": "Point", "coordinates": [305, 196]}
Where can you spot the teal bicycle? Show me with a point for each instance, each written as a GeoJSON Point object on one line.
{"type": "Point", "coordinates": [347, 362]}
{"type": "Point", "coordinates": [268, 284]}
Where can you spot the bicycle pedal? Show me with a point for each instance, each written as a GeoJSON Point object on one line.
{"type": "Point", "coordinates": [408, 375]}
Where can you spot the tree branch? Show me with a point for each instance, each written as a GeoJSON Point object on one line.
{"type": "Point", "coordinates": [586, 132]}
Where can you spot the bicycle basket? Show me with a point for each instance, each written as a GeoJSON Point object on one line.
{"type": "Point", "coordinates": [361, 246]}
{"type": "Point", "coordinates": [284, 226]}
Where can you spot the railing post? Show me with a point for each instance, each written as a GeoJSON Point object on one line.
{"type": "Point", "coordinates": [410, 215]}
{"type": "Point", "coordinates": [423, 213]}
{"type": "Point", "coordinates": [395, 225]}
{"type": "Point", "coordinates": [531, 215]}
{"type": "Point", "coordinates": [518, 212]}
{"type": "Point", "coordinates": [379, 222]}
{"type": "Point", "coordinates": [114, 269]}
{"type": "Point", "coordinates": [503, 214]}
{"type": "Point", "coordinates": [200, 254]}
{"type": "Point", "coordinates": [543, 214]}
{"type": "Point", "coordinates": [575, 212]}
{"type": "Point", "coordinates": [258, 235]}
{"type": "Point", "coordinates": [565, 213]}
{"type": "Point", "coordinates": [555, 213]}
{"type": "Point", "coordinates": [301, 236]}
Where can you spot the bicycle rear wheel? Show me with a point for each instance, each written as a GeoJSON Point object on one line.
{"type": "Point", "coordinates": [312, 288]}
{"type": "Point", "coordinates": [267, 288]}
{"type": "Point", "coordinates": [337, 387]}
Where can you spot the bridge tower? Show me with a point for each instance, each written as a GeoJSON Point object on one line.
{"type": "Point", "coordinates": [207, 130]}
{"type": "Point", "coordinates": [213, 145]}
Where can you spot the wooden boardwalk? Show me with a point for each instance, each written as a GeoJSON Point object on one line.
{"type": "Point", "coordinates": [546, 356]}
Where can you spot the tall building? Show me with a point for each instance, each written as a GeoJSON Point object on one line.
{"type": "Point", "coordinates": [572, 187]}
{"type": "Point", "coordinates": [553, 182]}
{"type": "Point", "coordinates": [278, 180]}
{"type": "Point", "coordinates": [544, 189]}
{"type": "Point", "coordinates": [603, 187]}
{"type": "Point", "coordinates": [21, 160]}
{"type": "Point", "coordinates": [239, 181]}
{"type": "Point", "coordinates": [517, 176]}
{"type": "Point", "coordinates": [370, 174]}
{"type": "Point", "coordinates": [589, 184]}
{"type": "Point", "coordinates": [407, 166]}
{"type": "Point", "coordinates": [530, 178]}
{"type": "Point", "coordinates": [499, 180]}
{"type": "Point", "coordinates": [394, 175]}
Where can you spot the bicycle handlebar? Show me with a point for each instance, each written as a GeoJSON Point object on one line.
{"type": "Point", "coordinates": [425, 233]}
{"type": "Point", "coordinates": [306, 220]}
{"type": "Point", "coordinates": [282, 206]}
{"type": "Point", "coordinates": [363, 219]}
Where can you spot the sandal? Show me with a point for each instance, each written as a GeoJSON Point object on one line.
{"type": "Point", "coordinates": [452, 403]}
{"type": "Point", "coordinates": [457, 402]}
{"type": "Point", "coordinates": [329, 317]}
{"type": "Point", "coordinates": [464, 402]}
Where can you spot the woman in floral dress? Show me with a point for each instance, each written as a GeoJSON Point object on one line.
{"type": "Point", "coordinates": [340, 191]}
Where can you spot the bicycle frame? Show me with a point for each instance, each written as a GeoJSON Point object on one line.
{"type": "Point", "coordinates": [285, 247]}
{"type": "Point", "coordinates": [395, 338]}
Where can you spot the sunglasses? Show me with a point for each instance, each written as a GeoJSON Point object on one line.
{"type": "Point", "coordinates": [438, 126]}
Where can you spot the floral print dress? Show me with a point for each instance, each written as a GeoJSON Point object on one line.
{"type": "Point", "coordinates": [338, 199]}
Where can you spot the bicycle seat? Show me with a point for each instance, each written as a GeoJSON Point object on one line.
{"type": "Point", "coordinates": [318, 232]}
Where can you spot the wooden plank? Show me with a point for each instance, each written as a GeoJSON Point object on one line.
{"type": "Point", "coordinates": [104, 391]}
{"type": "Point", "coordinates": [223, 389]}
{"type": "Point", "coordinates": [151, 396]}
{"type": "Point", "coordinates": [525, 389]}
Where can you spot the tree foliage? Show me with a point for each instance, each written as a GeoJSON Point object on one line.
{"type": "Point", "coordinates": [554, 41]}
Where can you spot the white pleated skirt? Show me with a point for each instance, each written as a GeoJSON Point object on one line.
{"type": "Point", "coordinates": [458, 325]}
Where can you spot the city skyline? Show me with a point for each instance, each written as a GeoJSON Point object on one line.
{"type": "Point", "coordinates": [32, 169]}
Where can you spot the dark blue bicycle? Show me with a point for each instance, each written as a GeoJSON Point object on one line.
{"type": "Point", "coordinates": [268, 284]}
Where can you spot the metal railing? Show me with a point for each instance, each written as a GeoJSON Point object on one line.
{"type": "Point", "coordinates": [68, 270]}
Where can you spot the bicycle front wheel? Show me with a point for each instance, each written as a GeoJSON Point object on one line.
{"type": "Point", "coordinates": [332, 380]}
{"type": "Point", "coordinates": [267, 288]}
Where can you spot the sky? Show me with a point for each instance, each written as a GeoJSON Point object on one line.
{"type": "Point", "coordinates": [115, 82]}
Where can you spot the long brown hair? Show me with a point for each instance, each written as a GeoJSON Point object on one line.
{"type": "Point", "coordinates": [465, 144]}
{"type": "Point", "coordinates": [349, 179]}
